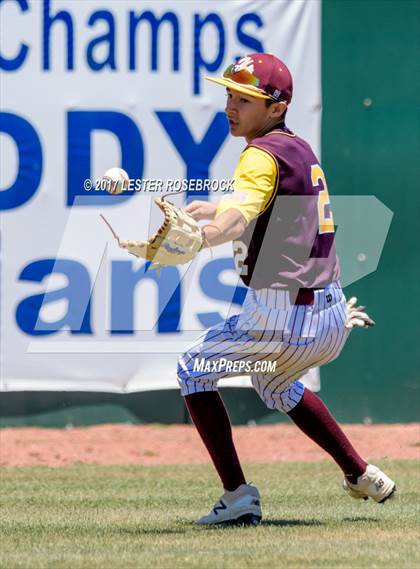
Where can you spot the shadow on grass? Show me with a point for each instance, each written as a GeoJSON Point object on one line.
{"type": "Point", "coordinates": [290, 523]}
{"type": "Point", "coordinates": [287, 523]}
{"type": "Point", "coordinates": [264, 523]}
{"type": "Point", "coordinates": [360, 519]}
{"type": "Point", "coordinates": [186, 526]}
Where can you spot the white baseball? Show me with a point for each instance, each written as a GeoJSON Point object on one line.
{"type": "Point", "coordinates": [117, 179]}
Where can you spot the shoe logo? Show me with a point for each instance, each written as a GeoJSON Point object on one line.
{"type": "Point", "coordinates": [329, 297]}
{"type": "Point", "coordinates": [255, 502]}
{"type": "Point", "coordinates": [220, 506]}
{"type": "Point", "coordinates": [379, 484]}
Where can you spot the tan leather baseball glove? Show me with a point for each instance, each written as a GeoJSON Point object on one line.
{"type": "Point", "coordinates": [176, 242]}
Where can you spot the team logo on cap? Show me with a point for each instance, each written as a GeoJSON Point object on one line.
{"type": "Point", "coordinates": [244, 63]}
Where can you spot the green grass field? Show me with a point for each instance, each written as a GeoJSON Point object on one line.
{"type": "Point", "coordinates": [123, 517]}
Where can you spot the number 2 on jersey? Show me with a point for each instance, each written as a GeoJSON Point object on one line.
{"type": "Point", "coordinates": [325, 217]}
{"type": "Point", "coordinates": [240, 252]}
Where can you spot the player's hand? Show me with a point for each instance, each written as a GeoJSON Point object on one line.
{"type": "Point", "coordinates": [200, 209]}
{"type": "Point", "coordinates": [356, 318]}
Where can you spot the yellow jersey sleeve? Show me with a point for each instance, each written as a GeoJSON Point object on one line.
{"type": "Point", "coordinates": [254, 182]}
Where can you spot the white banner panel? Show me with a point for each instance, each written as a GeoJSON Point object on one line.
{"type": "Point", "coordinates": [90, 85]}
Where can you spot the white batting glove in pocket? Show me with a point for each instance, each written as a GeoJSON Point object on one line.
{"type": "Point", "coordinates": [356, 318]}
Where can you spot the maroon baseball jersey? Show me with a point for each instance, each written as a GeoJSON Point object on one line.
{"type": "Point", "coordinates": [290, 245]}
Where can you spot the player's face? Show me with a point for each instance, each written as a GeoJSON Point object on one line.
{"type": "Point", "coordinates": [247, 116]}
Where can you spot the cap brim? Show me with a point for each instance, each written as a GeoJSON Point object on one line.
{"type": "Point", "coordinates": [246, 89]}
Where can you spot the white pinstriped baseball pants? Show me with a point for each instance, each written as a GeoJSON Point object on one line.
{"type": "Point", "coordinates": [270, 328]}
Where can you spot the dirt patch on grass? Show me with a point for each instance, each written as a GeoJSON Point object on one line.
{"type": "Point", "coordinates": [180, 444]}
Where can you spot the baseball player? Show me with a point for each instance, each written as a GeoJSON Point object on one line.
{"type": "Point", "coordinates": [294, 316]}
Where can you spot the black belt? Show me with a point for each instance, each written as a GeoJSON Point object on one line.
{"type": "Point", "coordinates": [305, 296]}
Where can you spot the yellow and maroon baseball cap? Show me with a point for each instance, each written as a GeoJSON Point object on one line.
{"type": "Point", "coordinates": [260, 75]}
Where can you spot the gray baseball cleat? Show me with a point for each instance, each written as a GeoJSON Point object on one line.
{"type": "Point", "coordinates": [373, 483]}
{"type": "Point", "coordinates": [240, 507]}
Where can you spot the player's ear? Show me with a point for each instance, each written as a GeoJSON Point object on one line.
{"type": "Point", "coordinates": [277, 109]}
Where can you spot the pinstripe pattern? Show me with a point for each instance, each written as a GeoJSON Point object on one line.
{"type": "Point", "coordinates": [271, 328]}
